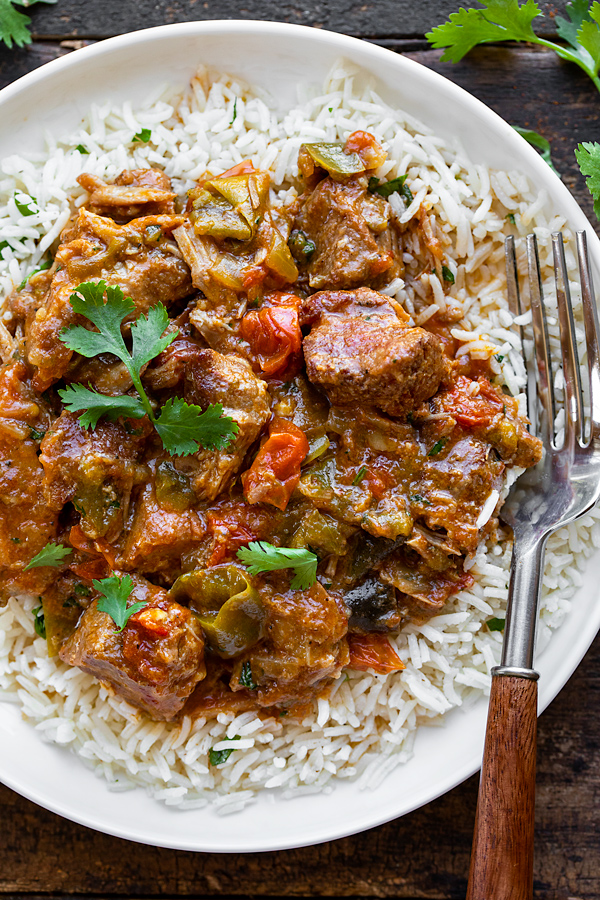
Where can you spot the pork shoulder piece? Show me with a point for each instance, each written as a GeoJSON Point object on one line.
{"type": "Point", "coordinates": [230, 381]}
{"type": "Point", "coordinates": [96, 470]}
{"type": "Point", "coordinates": [355, 244]}
{"type": "Point", "coordinates": [154, 663]}
{"type": "Point", "coordinates": [139, 257]}
{"type": "Point", "coordinates": [374, 362]}
{"type": "Point", "coordinates": [139, 192]}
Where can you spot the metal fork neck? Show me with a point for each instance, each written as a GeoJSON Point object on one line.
{"type": "Point", "coordinates": [523, 600]}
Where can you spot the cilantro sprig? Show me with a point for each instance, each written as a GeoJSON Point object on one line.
{"type": "Point", "coordinates": [183, 427]}
{"type": "Point", "coordinates": [115, 592]}
{"type": "Point", "coordinates": [50, 555]}
{"type": "Point", "coordinates": [14, 25]}
{"type": "Point", "coordinates": [508, 20]}
{"type": "Point", "coordinates": [260, 556]}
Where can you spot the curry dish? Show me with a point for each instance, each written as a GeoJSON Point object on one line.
{"type": "Point", "coordinates": [354, 461]}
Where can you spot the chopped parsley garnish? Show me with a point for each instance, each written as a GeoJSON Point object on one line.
{"type": "Point", "coordinates": [39, 622]}
{"type": "Point", "coordinates": [115, 592]}
{"type": "Point", "coordinates": [395, 186]}
{"type": "Point", "coordinates": [439, 445]}
{"type": "Point", "coordinates": [182, 427]}
{"type": "Point", "coordinates": [234, 116]}
{"type": "Point", "coordinates": [82, 149]}
{"type": "Point", "coordinates": [260, 556]}
{"type": "Point", "coordinates": [447, 275]}
{"type": "Point", "coordinates": [511, 218]}
{"type": "Point", "coordinates": [499, 357]}
{"type": "Point", "coordinates": [41, 268]}
{"type": "Point", "coordinates": [359, 475]}
{"type": "Point", "coordinates": [82, 590]}
{"type": "Point", "coordinates": [416, 498]}
{"type": "Point", "coordinates": [496, 624]}
{"type": "Point", "coordinates": [143, 135]}
{"type": "Point", "coordinates": [14, 25]}
{"type": "Point", "coordinates": [70, 602]}
{"type": "Point", "coordinates": [25, 207]}
{"type": "Point", "coordinates": [50, 555]}
{"type": "Point", "coordinates": [246, 677]}
{"type": "Point", "coordinates": [216, 757]}
{"type": "Point", "coordinates": [36, 435]}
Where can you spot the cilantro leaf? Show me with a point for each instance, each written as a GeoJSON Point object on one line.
{"type": "Point", "coordinates": [115, 593]}
{"type": "Point", "coordinates": [143, 135]}
{"type": "Point", "coordinates": [50, 555]}
{"type": "Point", "coordinates": [496, 624]}
{"type": "Point", "coordinates": [499, 20]}
{"type": "Point", "coordinates": [183, 427]}
{"type": "Point", "coordinates": [107, 316]}
{"type": "Point", "coordinates": [14, 24]}
{"type": "Point", "coordinates": [76, 397]}
{"type": "Point", "coordinates": [539, 142]}
{"type": "Point", "coordinates": [47, 264]}
{"type": "Point", "coordinates": [146, 335]}
{"type": "Point", "coordinates": [588, 38]}
{"type": "Point", "coordinates": [506, 20]}
{"type": "Point", "coordinates": [578, 12]}
{"type": "Point", "coordinates": [83, 150]}
{"type": "Point", "coordinates": [24, 207]}
{"type": "Point", "coordinates": [216, 757]}
{"type": "Point", "coordinates": [438, 446]}
{"type": "Point", "coordinates": [260, 556]}
{"type": "Point", "coordinates": [39, 621]}
{"type": "Point", "coordinates": [588, 159]}
{"type": "Point", "coordinates": [447, 275]}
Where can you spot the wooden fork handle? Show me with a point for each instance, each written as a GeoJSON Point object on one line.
{"type": "Point", "coordinates": [502, 854]}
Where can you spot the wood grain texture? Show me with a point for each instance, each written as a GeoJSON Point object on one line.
{"type": "Point", "coordinates": [390, 18]}
{"type": "Point", "coordinates": [424, 854]}
{"type": "Point", "coordinates": [502, 856]}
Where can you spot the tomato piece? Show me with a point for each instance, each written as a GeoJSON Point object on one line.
{"type": "Point", "coordinates": [274, 335]}
{"type": "Point", "coordinates": [472, 410]}
{"type": "Point", "coordinates": [228, 538]}
{"type": "Point", "coordinates": [245, 167]}
{"type": "Point", "coordinates": [373, 651]}
{"type": "Point", "coordinates": [275, 471]}
{"type": "Point", "coordinates": [368, 148]}
{"type": "Point", "coordinates": [254, 276]}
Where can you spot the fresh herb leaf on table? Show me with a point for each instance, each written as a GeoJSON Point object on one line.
{"type": "Point", "coordinates": [115, 593]}
{"type": "Point", "coordinates": [14, 25]}
{"type": "Point", "coordinates": [50, 555]}
{"type": "Point", "coordinates": [506, 20]}
{"type": "Point", "coordinates": [183, 427]}
{"type": "Point", "coordinates": [539, 142]}
{"type": "Point", "coordinates": [260, 556]}
{"type": "Point", "coordinates": [588, 158]}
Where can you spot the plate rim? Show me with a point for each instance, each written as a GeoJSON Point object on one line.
{"type": "Point", "coordinates": [346, 44]}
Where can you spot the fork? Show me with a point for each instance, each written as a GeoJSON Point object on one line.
{"type": "Point", "coordinates": [563, 486]}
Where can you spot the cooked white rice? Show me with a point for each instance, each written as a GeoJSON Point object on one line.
{"type": "Point", "coordinates": [367, 726]}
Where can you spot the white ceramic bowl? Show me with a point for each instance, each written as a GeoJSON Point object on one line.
{"type": "Point", "coordinates": [275, 57]}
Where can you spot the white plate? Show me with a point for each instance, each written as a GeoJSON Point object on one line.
{"type": "Point", "coordinates": [275, 57]}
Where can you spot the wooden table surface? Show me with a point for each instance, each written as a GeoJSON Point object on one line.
{"type": "Point", "coordinates": [425, 854]}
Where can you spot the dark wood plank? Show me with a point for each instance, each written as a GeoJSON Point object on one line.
{"type": "Point", "coordinates": [391, 18]}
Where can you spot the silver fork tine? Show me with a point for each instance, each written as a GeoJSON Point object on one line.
{"type": "Point", "coordinates": [515, 306]}
{"type": "Point", "coordinates": [574, 422]}
{"type": "Point", "coordinates": [542, 345]}
{"type": "Point", "coordinates": [590, 321]}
